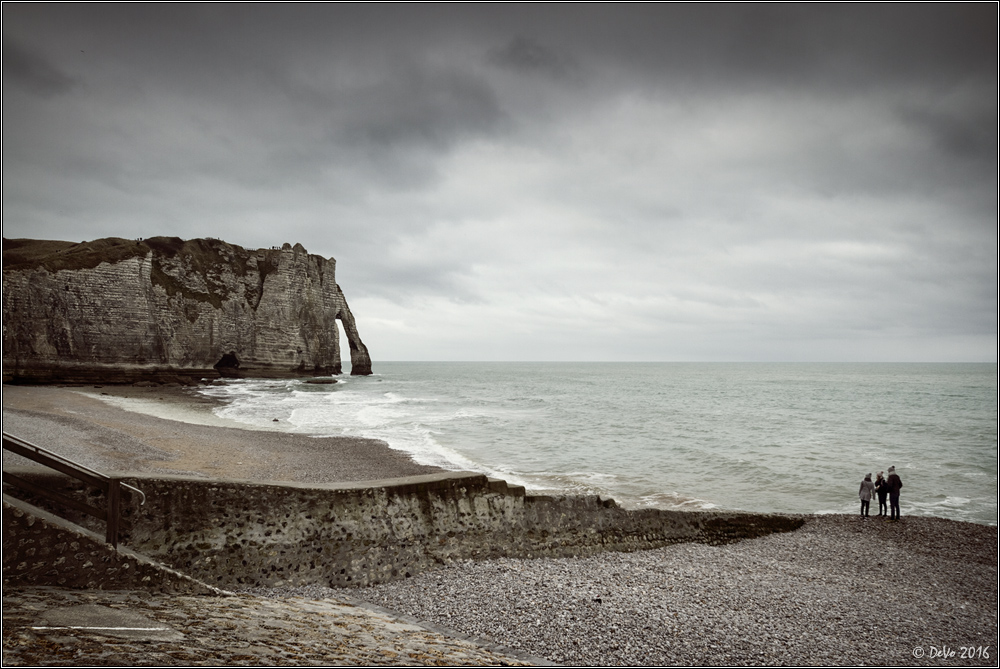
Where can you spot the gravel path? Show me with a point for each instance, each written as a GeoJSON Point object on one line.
{"type": "Point", "coordinates": [839, 591]}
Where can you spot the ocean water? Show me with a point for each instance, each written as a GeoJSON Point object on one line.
{"type": "Point", "coordinates": [785, 437]}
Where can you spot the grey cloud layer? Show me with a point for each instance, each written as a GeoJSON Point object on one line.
{"type": "Point", "coordinates": [705, 180]}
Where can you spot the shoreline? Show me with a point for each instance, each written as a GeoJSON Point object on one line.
{"type": "Point", "coordinates": [149, 412]}
{"type": "Point", "coordinates": [838, 591]}
{"type": "Point", "coordinates": [91, 424]}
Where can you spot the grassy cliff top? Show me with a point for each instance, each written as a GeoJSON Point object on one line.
{"type": "Point", "coordinates": [23, 254]}
{"type": "Point", "coordinates": [27, 254]}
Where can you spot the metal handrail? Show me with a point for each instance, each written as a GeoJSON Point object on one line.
{"type": "Point", "coordinates": [110, 486]}
{"type": "Point", "coordinates": [143, 502]}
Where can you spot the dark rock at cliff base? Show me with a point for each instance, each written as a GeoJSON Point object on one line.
{"type": "Point", "coordinates": [168, 310]}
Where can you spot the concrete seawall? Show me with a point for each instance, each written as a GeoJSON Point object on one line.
{"type": "Point", "coordinates": [240, 533]}
{"type": "Point", "coordinates": [42, 549]}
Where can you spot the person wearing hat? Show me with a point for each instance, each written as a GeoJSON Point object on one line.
{"type": "Point", "coordinates": [865, 493]}
{"type": "Point", "coordinates": [894, 483]}
{"type": "Point", "coordinates": [881, 489]}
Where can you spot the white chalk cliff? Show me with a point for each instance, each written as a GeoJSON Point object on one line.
{"type": "Point", "coordinates": [122, 310]}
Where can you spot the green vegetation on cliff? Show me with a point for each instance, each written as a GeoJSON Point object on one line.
{"type": "Point", "coordinates": [27, 254]}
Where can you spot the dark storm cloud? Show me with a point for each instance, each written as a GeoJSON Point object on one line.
{"type": "Point", "coordinates": [803, 45]}
{"type": "Point", "coordinates": [422, 107]}
{"type": "Point", "coordinates": [694, 179]}
{"type": "Point", "coordinates": [527, 56]}
{"type": "Point", "coordinates": [964, 135]}
{"type": "Point", "coordinates": [32, 72]}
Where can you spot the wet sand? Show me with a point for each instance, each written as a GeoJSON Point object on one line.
{"type": "Point", "coordinates": [78, 424]}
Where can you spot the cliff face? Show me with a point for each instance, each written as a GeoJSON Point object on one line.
{"type": "Point", "coordinates": [122, 310]}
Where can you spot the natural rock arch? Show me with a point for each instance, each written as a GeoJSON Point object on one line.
{"type": "Point", "coordinates": [361, 363]}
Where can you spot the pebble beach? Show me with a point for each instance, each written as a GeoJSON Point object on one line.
{"type": "Point", "coordinates": [839, 591]}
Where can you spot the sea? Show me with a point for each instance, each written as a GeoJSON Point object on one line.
{"type": "Point", "coordinates": [768, 437]}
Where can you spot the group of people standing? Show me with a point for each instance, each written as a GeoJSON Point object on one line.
{"type": "Point", "coordinates": [882, 487]}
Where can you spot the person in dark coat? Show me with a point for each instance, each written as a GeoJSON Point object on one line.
{"type": "Point", "coordinates": [881, 489]}
{"type": "Point", "coordinates": [894, 484]}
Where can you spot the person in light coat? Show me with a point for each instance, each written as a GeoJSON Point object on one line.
{"type": "Point", "coordinates": [865, 493]}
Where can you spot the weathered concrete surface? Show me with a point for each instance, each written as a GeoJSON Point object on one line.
{"type": "Point", "coordinates": [225, 631]}
{"type": "Point", "coordinates": [106, 621]}
{"type": "Point", "coordinates": [117, 310]}
{"type": "Point", "coordinates": [42, 549]}
{"type": "Point", "coordinates": [233, 534]}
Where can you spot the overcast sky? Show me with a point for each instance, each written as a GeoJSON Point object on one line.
{"type": "Point", "coordinates": [666, 182]}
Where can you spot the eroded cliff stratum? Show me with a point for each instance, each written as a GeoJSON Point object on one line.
{"type": "Point", "coordinates": [163, 308]}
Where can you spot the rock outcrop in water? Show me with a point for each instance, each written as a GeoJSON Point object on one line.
{"type": "Point", "coordinates": [116, 310]}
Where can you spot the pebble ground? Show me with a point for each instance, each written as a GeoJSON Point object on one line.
{"type": "Point", "coordinates": [839, 591]}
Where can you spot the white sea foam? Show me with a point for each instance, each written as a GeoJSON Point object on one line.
{"type": "Point", "coordinates": [174, 411]}
{"type": "Point", "coordinates": [672, 500]}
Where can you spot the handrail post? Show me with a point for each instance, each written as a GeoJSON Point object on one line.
{"type": "Point", "coordinates": [111, 487]}
{"type": "Point", "coordinates": [114, 510]}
